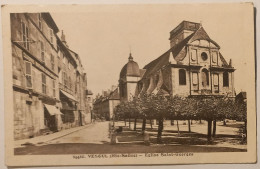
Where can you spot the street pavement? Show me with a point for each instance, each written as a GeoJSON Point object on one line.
{"type": "Point", "coordinates": [96, 134]}
{"type": "Point", "coordinates": [94, 139]}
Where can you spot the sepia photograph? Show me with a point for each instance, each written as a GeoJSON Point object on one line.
{"type": "Point", "coordinates": [129, 84]}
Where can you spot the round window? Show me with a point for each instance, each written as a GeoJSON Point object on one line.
{"type": "Point", "coordinates": [204, 56]}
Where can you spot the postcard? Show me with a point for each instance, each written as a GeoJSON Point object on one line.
{"type": "Point", "coordinates": [129, 84]}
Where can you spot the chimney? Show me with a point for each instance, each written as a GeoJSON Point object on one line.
{"type": "Point", "coordinates": [63, 39]}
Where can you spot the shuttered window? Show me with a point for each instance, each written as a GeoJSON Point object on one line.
{"type": "Point", "coordinates": [52, 62]}
{"type": "Point", "coordinates": [44, 83]}
{"type": "Point", "coordinates": [25, 36]}
{"type": "Point", "coordinates": [53, 88]}
{"type": "Point", "coordinates": [51, 36]}
{"type": "Point", "coordinates": [28, 74]}
{"type": "Point", "coordinates": [42, 52]}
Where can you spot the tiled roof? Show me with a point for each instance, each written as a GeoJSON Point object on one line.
{"type": "Point", "coordinates": [142, 71]}
{"type": "Point", "coordinates": [163, 60]}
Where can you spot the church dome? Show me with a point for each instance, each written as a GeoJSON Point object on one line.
{"type": "Point", "coordinates": [130, 69]}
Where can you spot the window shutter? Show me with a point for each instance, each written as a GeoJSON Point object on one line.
{"type": "Point", "coordinates": [27, 37]}
{"type": "Point", "coordinates": [28, 68]}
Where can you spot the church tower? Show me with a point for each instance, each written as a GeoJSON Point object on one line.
{"type": "Point", "coordinates": [129, 76]}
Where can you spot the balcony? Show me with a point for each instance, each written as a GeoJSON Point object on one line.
{"type": "Point", "coordinates": [65, 88]}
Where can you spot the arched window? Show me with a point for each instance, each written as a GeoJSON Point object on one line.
{"type": "Point", "coordinates": [182, 77]}
{"type": "Point", "coordinates": [205, 77]}
{"type": "Point", "coordinates": [225, 79]}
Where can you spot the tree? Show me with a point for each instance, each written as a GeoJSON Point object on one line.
{"type": "Point", "coordinates": [144, 107]}
{"type": "Point", "coordinates": [207, 110]}
{"type": "Point", "coordinates": [213, 108]}
{"type": "Point", "coordinates": [159, 105]}
{"type": "Point", "coordinates": [181, 108]}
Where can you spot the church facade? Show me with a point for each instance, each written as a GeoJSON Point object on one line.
{"type": "Point", "coordinates": [192, 66]}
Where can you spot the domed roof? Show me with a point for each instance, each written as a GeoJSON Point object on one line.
{"type": "Point", "coordinates": [130, 69]}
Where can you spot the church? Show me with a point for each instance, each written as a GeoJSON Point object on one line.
{"type": "Point", "coordinates": [192, 66]}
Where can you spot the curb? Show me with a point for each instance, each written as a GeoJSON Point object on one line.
{"type": "Point", "coordinates": [65, 134]}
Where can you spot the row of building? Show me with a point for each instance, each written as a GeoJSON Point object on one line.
{"type": "Point", "coordinates": [49, 82]}
{"type": "Point", "coordinates": [192, 66]}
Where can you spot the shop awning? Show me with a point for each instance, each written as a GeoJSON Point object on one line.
{"type": "Point", "coordinates": [69, 96]}
{"type": "Point", "coordinates": [52, 110]}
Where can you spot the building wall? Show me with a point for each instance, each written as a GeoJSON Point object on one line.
{"type": "Point", "coordinates": [194, 58]}
{"type": "Point", "coordinates": [112, 105]}
{"type": "Point", "coordinates": [29, 99]}
{"type": "Point", "coordinates": [176, 87]}
{"type": "Point", "coordinates": [34, 42]}
{"type": "Point", "coordinates": [28, 116]}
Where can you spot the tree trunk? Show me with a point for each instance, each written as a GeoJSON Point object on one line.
{"type": "Point", "coordinates": [144, 124]}
{"type": "Point", "coordinates": [191, 122]}
{"type": "Point", "coordinates": [209, 130]}
{"type": "Point", "coordinates": [160, 129]}
{"type": "Point", "coordinates": [129, 123]}
{"type": "Point", "coordinates": [189, 126]}
{"type": "Point", "coordinates": [178, 127]}
{"type": "Point", "coordinates": [113, 121]}
{"type": "Point", "coordinates": [172, 122]}
{"type": "Point", "coordinates": [135, 125]}
{"type": "Point", "coordinates": [214, 128]}
{"type": "Point", "coordinates": [224, 122]}
{"type": "Point", "coordinates": [151, 123]}
{"type": "Point", "coordinates": [200, 121]}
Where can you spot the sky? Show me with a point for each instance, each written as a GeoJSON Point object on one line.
{"type": "Point", "coordinates": [104, 35]}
